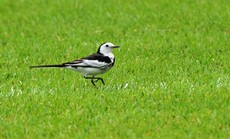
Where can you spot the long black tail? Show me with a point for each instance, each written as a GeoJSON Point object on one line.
{"type": "Point", "coordinates": [48, 66]}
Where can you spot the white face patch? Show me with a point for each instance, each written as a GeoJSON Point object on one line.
{"type": "Point", "coordinates": [106, 48]}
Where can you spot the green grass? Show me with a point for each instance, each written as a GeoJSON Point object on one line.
{"type": "Point", "coordinates": [174, 57]}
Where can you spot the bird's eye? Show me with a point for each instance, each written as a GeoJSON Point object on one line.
{"type": "Point", "coordinates": [107, 46]}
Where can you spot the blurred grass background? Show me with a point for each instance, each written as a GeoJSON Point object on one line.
{"type": "Point", "coordinates": [170, 79]}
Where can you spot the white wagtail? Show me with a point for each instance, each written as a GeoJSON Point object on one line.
{"type": "Point", "coordinates": [93, 65]}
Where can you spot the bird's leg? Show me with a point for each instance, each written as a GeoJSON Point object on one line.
{"type": "Point", "coordinates": [98, 78]}
{"type": "Point", "coordinates": [92, 81]}
{"type": "Point", "coordinates": [91, 78]}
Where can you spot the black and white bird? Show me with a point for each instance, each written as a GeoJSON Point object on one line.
{"type": "Point", "coordinates": [91, 65]}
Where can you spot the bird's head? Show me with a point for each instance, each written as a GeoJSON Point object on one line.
{"type": "Point", "coordinates": [106, 48]}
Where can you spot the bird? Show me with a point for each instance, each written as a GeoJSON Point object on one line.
{"type": "Point", "coordinates": [92, 65]}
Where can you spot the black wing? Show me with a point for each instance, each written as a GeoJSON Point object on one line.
{"type": "Point", "coordinates": [95, 60]}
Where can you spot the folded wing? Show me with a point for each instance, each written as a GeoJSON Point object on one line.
{"type": "Point", "coordinates": [94, 61]}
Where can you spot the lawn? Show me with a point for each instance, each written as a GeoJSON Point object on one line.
{"type": "Point", "coordinates": [171, 78]}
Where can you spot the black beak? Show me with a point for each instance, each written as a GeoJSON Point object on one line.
{"type": "Point", "coordinates": [116, 46]}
